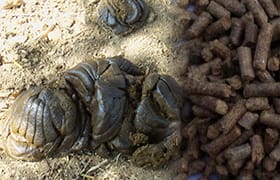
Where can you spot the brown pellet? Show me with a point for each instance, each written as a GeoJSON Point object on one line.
{"type": "Point", "coordinates": [205, 68]}
{"type": "Point", "coordinates": [236, 31]}
{"type": "Point", "coordinates": [196, 167]}
{"type": "Point", "coordinates": [199, 25]}
{"type": "Point", "coordinates": [218, 28]}
{"type": "Point", "coordinates": [234, 166]}
{"type": "Point", "coordinates": [217, 10]}
{"type": "Point", "coordinates": [248, 120]}
{"type": "Point", "coordinates": [180, 176]}
{"type": "Point", "coordinates": [202, 132]}
{"type": "Point", "coordinates": [245, 136]}
{"type": "Point", "coordinates": [221, 142]}
{"type": "Point", "coordinates": [270, 119]}
{"type": "Point", "coordinates": [202, 112]}
{"type": "Point", "coordinates": [238, 153]}
{"type": "Point", "coordinates": [220, 49]}
{"type": "Point", "coordinates": [230, 119]}
{"type": "Point", "coordinates": [269, 164]}
{"type": "Point", "coordinates": [271, 136]}
{"type": "Point", "coordinates": [192, 86]}
{"type": "Point", "coordinates": [277, 4]}
{"type": "Point", "coordinates": [275, 153]}
{"type": "Point", "coordinates": [263, 46]}
{"type": "Point", "coordinates": [224, 40]}
{"type": "Point", "coordinates": [265, 76]}
{"type": "Point", "coordinates": [213, 131]}
{"type": "Point", "coordinates": [202, 3]}
{"type": "Point", "coordinates": [273, 64]}
{"type": "Point", "coordinates": [276, 29]}
{"type": "Point", "coordinates": [250, 34]}
{"type": "Point", "coordinates": [269, 8]}
{"type": "Point", "coordinates": [258, 12]}
{"type": "Point", "coordinates": [234, 6]}
{"type": "Point", "coordinates": [257, 149]}
{"type": "Point", "coordinates": [235, 82]}
{"type": "Point", "coordinates": [222, 170]}
{"type": "Point", "coordinates": [276, 104]}
{"type": "Point", "coordinates": [257, 104]}
{"type": "Point", "coordinates": [245, 175]}
{"type": "Point", "coordinates": [262, 90]}
{"type": "Point", "coordinates": [191, 134]}
{"type": "Point", "coordinates": [209, 102]}
{"type": "Point", "coordinates": [245, 63]}
{"type": "Point", "coordinates": [207, 54]}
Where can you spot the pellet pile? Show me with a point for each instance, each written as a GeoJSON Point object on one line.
{"type": "Point", "coordinates": [233, 82]}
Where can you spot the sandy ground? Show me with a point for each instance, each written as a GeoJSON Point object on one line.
{"type": "Point", "coordinates": [39, 40]}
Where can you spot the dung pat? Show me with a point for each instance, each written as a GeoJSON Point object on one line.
{"type": "Point", "coordinates": [41, 122]}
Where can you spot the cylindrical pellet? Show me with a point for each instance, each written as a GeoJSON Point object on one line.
{"type": "Point", "coordinates": [217, 10]}
{"type": "Point", "coordinates": [269, 8]}
{"type": "Point", "coordinates": [199, 25]}
{"type": "Point", "coordinates": [258, 12]}
{"type": "Point", "coordinates": [234, 6]}
{"type": "Point", "coordinates": [218, 28]}
{"type": "Point", "coordinates": [211, 103]}
{"type": "Point", "coordinates": [263, 47]}
{"type": "Point", "coordinates": [236, 31]}
{"type": "Point", "coordinates": [262, 90]}
{"type": "Point", "coordinates": [270, 119]}
{"type": "Point", "coordinates": [250, 34]}
{"type": "Point", "coordinates": [245, 63]}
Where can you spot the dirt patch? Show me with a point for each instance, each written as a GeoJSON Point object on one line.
{"type": "Point", "coordinates": [41, 39]}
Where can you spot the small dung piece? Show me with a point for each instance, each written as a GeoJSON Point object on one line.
{"type": "Point", "coordinates": [192, 86]}
{"type": "Point", "coordinates": [123, 16]}
{"type": "Point", "coordinates": [236, 31]}
{"type": "Point", "coordinates": [273, 64]}
{"type": "Point", "coordinates": [248, 120]}
{"type": "Point", "coordinates": [265, 76]}
{"type": "Point", "coordinates": [275, 153]}
{"type": "Point", "coordinates": [257, 104]}
{"type": "Point", "coordinates": [263, 47]}
{"type": "Point", "coordinates": [230, 119]}
{"type": "Point", "coordinates": [245, 63]}
{"type": "Point", "coordinates": [219, 49]}
{"type": "Point", "coordinates": [217, 10]}
{"type": "Point", "coordinates": [235, 82]}
{"type": "Point", "coordinates": [218, 28]}
{"type": "Point", "coordinates": [250, 34]}
{"type": "Point", "coordinates": [199, 25]}
{"type": "Point", "coordinates": [257, 149]}
{"type": "Point", "coordinates": [245, 136]}
{"type": "Point", "coordinates": [269, 164]}
{"type": "Point", "coordinates": [257, 10]}
{"type": "Point", "coordinates": [270, 119]}
{"type": "Point", "coordinates": [238, 153]}
{"type": "Point", "coordinates": [234, 166]}
{"type": "Point", "coordinates": [234, 6]}
{"type": "Point", "coordinates": [221, 142]}
{"type": "Point", "coordinates": [262, 90]}
{"type": "Point", "coordinates": [276, 104]}
{"type": "Point", "coordinates": [209, 102]}
{"type": "Point", "coordinates": [202, 112]}
{"type": "Point", "coordinates": [207, 54]}
{"type": "Point", "coordinates": [269, 8]}
{"type": "Point", "coordinates": [271, 136]}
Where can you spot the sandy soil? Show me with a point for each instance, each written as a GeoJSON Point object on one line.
{"type": "Point", "coordinates": [41, 39]}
